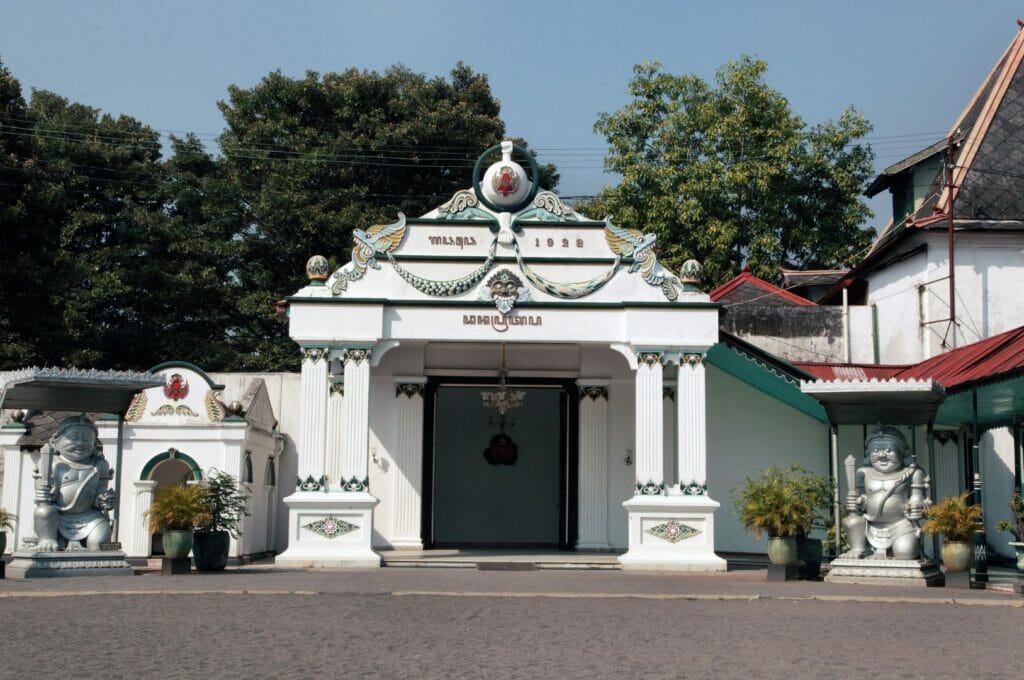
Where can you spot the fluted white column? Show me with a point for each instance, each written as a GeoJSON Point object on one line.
{"type": "Point", "coordinates": [313, 414]}
{"type": "Point", "coordinates": [335, 399]}
{"type": "Point", "coordinates": [650, 478]}
{"type": "Point", "coordinates": [140, 539]}
{"type": "Point", "coordinates": [593, 466]}
{"type": "Point", "coordinates": [691, 395]}
{"type": "Point", "coordinates": [11, 496]}
{"type": "Point", "coordinates": [406, 527]}
{"type": "Point", "coordinates": [355, 421]}
{"type": "Point", "coordinates": [668, 443]}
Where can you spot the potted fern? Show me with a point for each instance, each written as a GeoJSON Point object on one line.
{"type": "Point", "coordinates": [6, 522]}
{"type": "Point", "coordinates": [175, 510]}
{"type": "Point", "coordinates": [956, 520]}
{"type": "Point", "coordinates": [1016, 527]}
{"type": "Point", "coordinates": [225, 503]}
{"type": "Point", "coordinates": [783, 504]}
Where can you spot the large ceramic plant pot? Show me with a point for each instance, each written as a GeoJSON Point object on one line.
{"type": "Point", "coordinates": [782, 550]}
{"type": "Point", "coordinates": [1019, 547]}
{"type": "Point", "coordinates": [3, 544]}
{"type": "Point", "coordinates": [957, 555]}
{"type": "Point", "coordinates": [210, 550]}
{"type": "Point", "coordinates": [177, 542]}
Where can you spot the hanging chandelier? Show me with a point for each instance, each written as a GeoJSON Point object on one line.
{"type": "Point", "coordinates": [502, 399]}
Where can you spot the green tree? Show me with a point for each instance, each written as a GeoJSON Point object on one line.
{"type": "Point", "coordinates": [29, 227]}
{"type": "Point", "coordinates": [116, 258]}
{"type": "Point", "coordinates": [725, 172]}
{"type": "Point", "coordinates": [315, 157]}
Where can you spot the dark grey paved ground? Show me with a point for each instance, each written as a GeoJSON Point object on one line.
{"type": "Point", "coordinates": [499, 625]}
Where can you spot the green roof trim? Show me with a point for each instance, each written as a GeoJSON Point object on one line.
{"type": "Point", "coordinates": [998, 403]}
{"type": "Point", "coordinates": [766, 373]}
{"type": "Point", "coordinates": [197, 472]}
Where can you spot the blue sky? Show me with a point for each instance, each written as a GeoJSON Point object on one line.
{"type": "Point", "coordinates": [909, 65]}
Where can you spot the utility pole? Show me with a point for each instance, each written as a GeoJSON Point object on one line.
{"type": "Point", "coordinates": [951, 326]}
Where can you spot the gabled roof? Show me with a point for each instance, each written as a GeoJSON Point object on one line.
{"type": "Point", "coordinates": [745, 288]}
{"type": "Point", "coordinates": [988, 176]}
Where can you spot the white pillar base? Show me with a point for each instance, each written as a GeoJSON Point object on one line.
{"type": "Point", "coordinates": [407, 544]}
{"type": "Point", "coordinates": [661, 534]}
{"type": "Point", "coordinates": [593, 547]}
{"type": "Point", "coordinates": [330, 530]}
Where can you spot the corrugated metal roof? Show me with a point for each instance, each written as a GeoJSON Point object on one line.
{"type": "Point", "coordinates": [1000, 354]}
{"type": "Point", "coordinates": [850, 371]}
{"type": "Point", "coordinates": [990, 358]}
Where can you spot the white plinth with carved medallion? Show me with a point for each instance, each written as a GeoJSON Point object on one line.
{"type": "Point", "coordinates": [329, 530]}
{"type": "Point", "coordinates": [671, 533]}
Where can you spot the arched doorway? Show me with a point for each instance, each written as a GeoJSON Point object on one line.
{"type": "Point", "coordinates": [170, 468]}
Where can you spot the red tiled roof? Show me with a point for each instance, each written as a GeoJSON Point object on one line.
{"type": "Point", "coordinates": [1003, 353]}
{"type": "Point", "coordinates": [746, 277]}
{"type": "Point", "coordinates": [988, 358]}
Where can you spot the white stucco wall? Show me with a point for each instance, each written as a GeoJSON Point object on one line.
{"type": "Point", "coordinates": [749, 430]}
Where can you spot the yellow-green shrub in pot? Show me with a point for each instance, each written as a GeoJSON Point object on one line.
{"type": "Point", "coordinates": [781, 503]}
{"type": "Point", "coordinates": [956, 520]}
{"type": "Point", "coordinates": [175, 510]}
{"type": "Point", "coordinates": [1016, 527]}
{"type": "Point", "coordinates": [6, 522]}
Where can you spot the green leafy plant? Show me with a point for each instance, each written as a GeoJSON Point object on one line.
{"type": "Point", "coordinates": [953, 517]}
{"type": "Point", "coordinates": [784, 502]}
{"type": "Point", "coordinates": [225, 503]}
{"type": "Point", "coordinates": [1016, 527]}
{"type": "Point", "coordinates": [178, 507]}
{"type": "Point", "coordinates": [7, 519]}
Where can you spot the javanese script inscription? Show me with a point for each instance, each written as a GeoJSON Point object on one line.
{"type": "Point", "coordinates": [500, 322]}
{"type": "Point", "coordinates": [454, 241]}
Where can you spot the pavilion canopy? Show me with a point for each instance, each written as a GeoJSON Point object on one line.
{"type": "Point", "coordinates": [73, 389]}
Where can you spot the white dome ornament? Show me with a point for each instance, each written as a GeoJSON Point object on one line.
{"type": "Point", "coordinates": [505, 183]}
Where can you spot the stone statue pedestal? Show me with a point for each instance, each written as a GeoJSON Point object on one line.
{"type": "Point", "coordinates": [885, 572]}
{"type": "Point", "coordinates": [42, 564]}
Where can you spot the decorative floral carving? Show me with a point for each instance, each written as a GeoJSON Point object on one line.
{"type": "Point", "coordinates": [409, 390]}
{"type": "Point", "coordinates": [136, 408]}
{"type": "Point", "coordinates": [355, 485]}
{"type": "Point", "coordinates": [693, 359]}
{"type": "Point", "coordinates": [311, 483]}
{"type": "Point", "coordinates": [673, 531]}
{"type": "Point", "coordinates": [172, 410]}
{"type": "Point", "coordinates": [330, 527]}
{"type": "Point", "coordinates": [314, 353]}
{"type": "Point", "coordinates": [693, 488]}
{"type": "Point", "coordinates": [651, 488]}
{"type": "Point", "coordinates": [337, 388]}
{"type": "Point", "coordinates": [378, 239]}
{"type": "Point", "coordinates": [356, 355]}
{"type": "Point", "coordinates": [214, 409]}
{"type": "Point", "coordinates": [649, 358]}
{"type": "Point", "coordinates": [593, 392]}
{"type": "Point", "coordinates": [548, 206]}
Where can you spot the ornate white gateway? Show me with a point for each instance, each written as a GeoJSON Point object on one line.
{"type": "Point", "coordinates": [437, 300]}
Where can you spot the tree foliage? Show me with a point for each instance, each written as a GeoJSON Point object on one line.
{"type": "Point", "coordinates": [123, 252]}
{"type": "Point", "coordinates": [317, 156]}
{"type": "Point", "coordinates": [726, 172]}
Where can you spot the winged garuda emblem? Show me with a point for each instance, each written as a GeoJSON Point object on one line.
{"type": "Point", "coordinates": [380, 239]}
{"type": "Point", "coordinates": [639, 246]}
